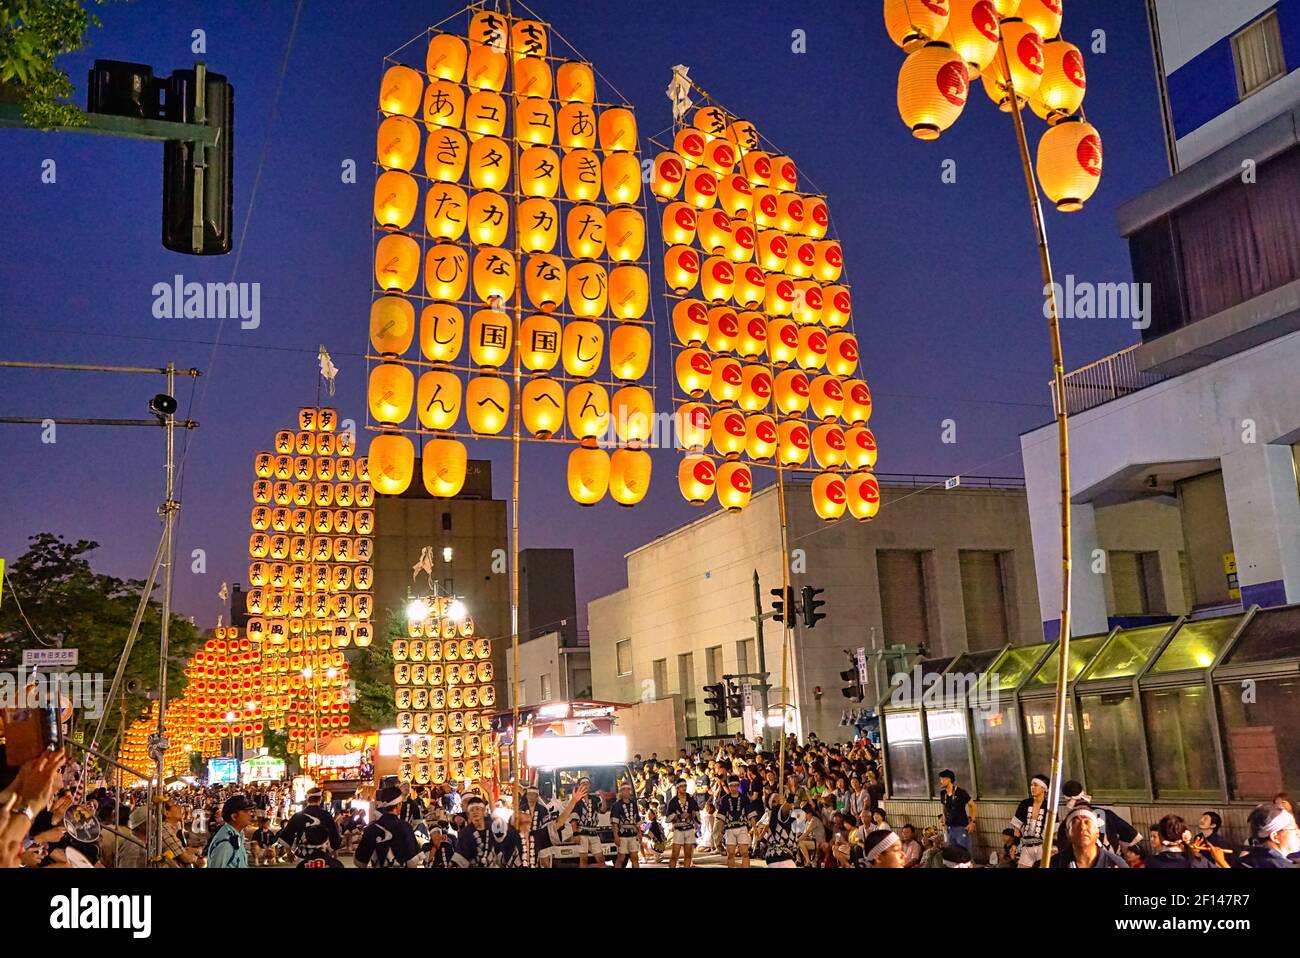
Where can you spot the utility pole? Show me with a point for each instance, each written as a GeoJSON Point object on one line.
{"type": "Point", "coordinates": [759, 616]}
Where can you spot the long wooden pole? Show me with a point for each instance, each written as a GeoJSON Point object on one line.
{"type": "Point", "coordinates": [1063, 444]}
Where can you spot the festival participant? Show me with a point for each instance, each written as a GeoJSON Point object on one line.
{"type": "Point", "coordinates": [262, 842]}
{"type": "Point", "coordinates": [587, 814]}
{"type": "Point", "coordinates": [653, 840]}
{"type": "Point", "coordinates": [1274, 838]}
{"type": "Point", "coordinates": [388, 841]}
{"type": "Point", "coordinates": [776, 827]}
{"type": "Point", "coordinates": [735, 815]}
{"type": "Point", "coordinates": [1083, 824]}
{"type": "Point", "coordinates": [1116, 834]}
{"type": "Point", "coordinates": [1174, 850]}
{"type": "Point", "coordinates": [625, 817]}
{"type": "Point", "coordinates": [316, 850]}
{"type": "Point", "coordinates": [440, 851]}
{"type": "Point", "coordinates": [682, 813]}
{"type": "Point", "coordinates": [314, 812]}
{"type": "Point", "coordinates": [879, 849]}
{"type": "Point", "coordinates": [1029, 820]}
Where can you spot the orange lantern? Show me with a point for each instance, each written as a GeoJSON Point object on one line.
{"type": "Point", "coordinates": [1024, 50]}
{"type": "Point", "coordinates": [757, 167]}
{"type": "Point", "coordinates": [717, 279]}
{"type": "Point", "coordinates": [735, 484]}
{"type": "Point", "coordinates": [694, 371]}
{"type": "Point", "coordinates": [390, 392]}
{"type": "Point", "coordinates": [690, 322]}
{"type": "Point", "coordinates": [818, 218]}
{"type": "Point", "coordinates": [543, 406]}
{"type": "Point", "coordinates": [782, 341]}
{"type": "Point", "coordinates": [444, 211]}
{"type": "Point", "coordinates": [778, 295]}
{"type": "Point", "coordinates": [826, 395]}
{"type": "Point", "coordinates": [446, 58]}
{"type": "Point", "coordinates": [790, 212]}
{"type": "Point", "coordinates": [632, 409]}
{"type": "Point", "coordinates": [446, 272]}
{"type": "Point", "coordinates": [735, 194]}
{"type": "Point", "coordinates": [681, 268]}
{"type": "Point", "coordinates": [744, 238]}
{"type": "Point", "coordinates": [489, 163]}
{"type": "Point", "coordinates": [587, 406]}
{"type": "Point", "coordinates": [666, 176]}
{"type": "Point", "coordinates": [396, 196]}
{"type": "Point", "coordinates": [442, 332]}
{"type": "Point", "coordinates": [445, 155]}
{"type": "Point", "coordinates": [728, 379]}
{"type": "Point", "coordinates": [538, 227]}
{"type": "Point", "coordinates": [932, 90]}
{"type": "Point", "coordinates": [588, 287]}
{"type": "Point", "coordinates": [489, 338]}
{"type": "Point", "coordinates": [773, 250]}
{"type": "Point", "coordinates": [842, 354]}
{"type": "Point", "coordinates": [487, 404]}
{"type": "Point", "coordinates": [580, 173]}
{"type": "Point", "coordinates": [837, 305]}
{"type": "Point", "coordinates": [1069, 163]}
{"type": "Point", "coordinates": [829, 496]}
{"type": "Point", "coordinates": [629, 476]}
{"type": "Point", "coordinates": [438, 400]}
{"type": "Point", "coordinates": [760, 438]}
{"type": "Point", "coordinates": [576, 123]}
{"type": "Point", "coordinates": [720, 156]}
{"type": "Point", "coordinates": [857, 402]}
{"type": "Point", "coordinates": [830, 261]}
{"type": "Point", "coordinates": [393, 463]}
{"type": "Point", "coordinates": [1064, 81]}
{"type": "Point", "coordinates": [485, 114]}
{"type": "Point", "coordinates": [585, 231]}
{"type": "Point", "coordinates": [532, 78]}
{"type": "Point", "coordinates": [729, 433]}
{"type": "Point", "coordinates": [397, 262]}
{"type": "Point", "coordinates": [750, 286]}
{"type": "Point", "coordinates": [527, 39]}
{"type": "Point", "coordinates": [690, 144]}
{"type": "Point", "coordinates": [752, 339]}
{"type": "Point", "coordinates": [486, 68]}
{"type": "Point", "coordinates": [399, 91]}
{"type": "Point", "coordinates": [694, 426]}
{"type": "Point", "coordinates": [803, 257]}
{"type": "Point", "coordinates": [860, 448]}
{"type": "Point", "coordinates": [629, 292]}
{"type": "Point", "coordinates": [828, 445]}
{"type": "Point", "coordinates": [589, 469]}
{"type": "Point", "coordinates": [724, 329]}
{"type": "Point", "coordinates": [617, 130]}
{"type": "Point", "coordinates": [808, 302]}
{"type": "Point", "coordinates": [792, 392]}
{"type": "Point", "coordinates": [714, 231]}
{"type": "Point", "coordinates": [767, 204]}
{"type": "Point", "coordinates": [1043, 15]}
{"type": "Point", "coordinates": [973, 33]}
{"type": "Point", "coordinates": [494, 274]}
{"type": "Point", "coordinates": [443, 468]}
{"type": "Point", "coordinates": [910, 23]}
{"type": "Point", "coordinates": [544, 281]}
{"type": "Point", "coordinates": [701, 188]}
{"type": "Point", "coordinates": [582, 348]}
{"type": "Point", "coordinates": [625, 234]}
{"type": "Point", "coordinates": [575, 82]}
{"type": "Point", "coordinates": [794, 442]}
{"type": "Point", "coordinates": [535, 122]}
{"type": "Point", "coordinates": [711, 120]}
{"type": "Point", "coordinates": [785, 175]}
{"type": "Point", "coordinates": [444, 105]}
{"type": "Point", "coordinates": [392, 325]}
{"type": "Point", "coordinates": [755, 388]}
{"type": "Point", "coordinates": [489, 218]}
{"type": "Point", "coordinates": [621, 177]}
{"type": "Point", "coordinates": [539, 172]}
{"type": "Point", "coordinates": [539, 342]}
{"type": "Point", "coordinates": [679, 223]}
{"type": "Point", "coordinates": [696, 478]}
{"type": "Point", "coordinates": [863, 494]}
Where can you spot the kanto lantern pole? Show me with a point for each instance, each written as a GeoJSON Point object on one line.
{"type": "Point", "coordinates": [1063, 442]}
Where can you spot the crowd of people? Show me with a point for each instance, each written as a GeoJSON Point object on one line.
{"type": "Point", "coordinates": [729, 800]}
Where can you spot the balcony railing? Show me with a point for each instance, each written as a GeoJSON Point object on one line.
{"type": "Point", "coordinates": [1097, 383]}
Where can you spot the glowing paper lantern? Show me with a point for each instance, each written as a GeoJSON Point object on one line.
{"type": "Point", "coordinates": [1043, 15]}
{"type": "Point", "coordinates": [751, 341]}
{"type": "Point", "coordinates": [576, 123]}
{"type": "Point", "coordinates": [390, 393]}
{"type": "Point", "coordinates": [842, 354]}
{"type": "Point", "coordinates": [694, 371]}
{"type": "Point", "coordinates": [826, 396]}
{"type": "Point", "coordinates": [617, 130]}
{"type": "Point", "coordinates": [1069, 163]}
{"type": "Point", "coordinates": [1024, 50]}
{"type": "Point", "coordinates": [911, 23]}
{"type": "Point", "coordinates": [791, 391]}
{"type": "Point", "coordinates": [392, 325]}
{"type": "Point", "coordinates": [667, 176]}
{"type": "Point", "coordinates": [444, 211]}
{"type": "Point", "coordinates": [585, 231]}
{"type": "Point", "coordinates": [701, 188]}
{"type": "Point", "coordinates": [757, 167]}
{"type": "Point", "coordinates": [828, 444]}
{"type": "Point", "coordinates": [539, 172]}
{"type": "Point", "coordinates": [575, 82]}
{"type": "Point", "coordinates": [486, 68]}
{"type": "Point", "coordinates": [632, 409]}
{"type": "Point", "coordinates": [778, 298]}
{"type": "Point", "coordinates": [587, 406]}
{"type": "Point", "coordinates": [755, 388]}
{"type": "Point", "coordinates": [681, 268]}
{"type": "Point", "coordinates": [397, 262]}
{"type": "Point", "coordinates": [582, 348]}
{"type": "Point", "coordinates": [494, 274]}
{"type": "Point", "coordinates": [837, 306]}
{"type": "Point", "coordinates": [932, 90]}
{"type": "Point", "coordinates": [794, 442]}
{"type": "Point", "coordinates": [728, 433]}
{"type": "Point", "coordinates": [539, 342]}
{"type": "Point", "coordinates": [830, 261]}
{"type": "Point", "coordinates": [489, 218]}
{"type": "Point", "coordinates": [621, 178]}
{"type": "Point", "coordinates": [545, 281]}
{"type": "Point", "coordinates": [829, 496]}
{"type": "Point", "coordinates": [696, 478]}
{"type": "Point", "coordinates": [728, 378]}
{"type": "Point", "coordinates": [735, 485]}
{"type": "Point", "coordinates": [760, 437]}
{"type": "Point", "coordinates": [543, 407]}
{"type": "Point", "coordinates": [396, 196]}
{"type": "Point", "coordinates": [782, 341]}
{"type": "Point", "coordinates": [399, 91]}
{"type": "Point", "coordinates": [446, 272]}
{"type": "Point", "coordinates": [690, 322]}
{"type": "Point", "coordinates": [717, 279]}
{"type": "Point", "coordinates": [857, 402]}
{"type": "Point", "coordinates": [785, 175]}
{"type": "Point", "coordinates": [588, 289]}
{"type": "Point", "coordinates": [694, 426]}
{"type": "Point", "coordinates": [724, 329]}
{"type": "Point", "coordinates": [808, 302]}
{"type": "Point", "coordinates": [490, 338]}
{"type": "Point", "coordinates": [690, 145]}
{"type": "Point", "coordinates": [973, 33]}
{"type": "Point", "coordinates": [445, 155]}
{"type": "Point", "coordinates": [625, 234]}
{"type": "Point", "coordinates": [442, 332]}
{"type": "Point", "coordinates": [589, 470]}
{"type": "Point", "coordinates": [489, 163]}
{"type": "Point", "coordinates": [443, 467]}
{"type": "Point", "coordinates": [1064, 81]}
{"type": "Point", "coordinates": [629, 351]}
{"type": "Point", "coordinates": [860, 448]}
{"type": "Point", "coordinates": [750, 288]}
{"type": "Point", "coordinates": [535, 122]}
{"type": "Point", "coordinates": [735, 194]}
{"type": "Point", "coordinates": [863, 494]}
{"type": "Point", "coordinates": [392, 459]}
{"type": "Point", "coordinates": [444, 105]}
{"type": "Point", "coordinates": [539, 227]}
{"type": "Point", "coordinates": [487, 404]}
{"type": "Point", "coordinates": [532, 78]}
{"type": "Point", "coordinates": [629, 476]}
{"type": "Point", "coordinates": [447, 57]}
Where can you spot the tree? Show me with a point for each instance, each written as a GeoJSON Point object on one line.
{"type": "Point", "coordinates": [62, 600]}
{"type": "Point", "coordinates": [33, 33]}
{"type": "Point", "coordinates": [371, 672]}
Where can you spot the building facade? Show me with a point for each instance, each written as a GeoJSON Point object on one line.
{"type": "Point", "coordinates": [549, 671]}
{"type": "Point", "coordinates": [547, 600]}
{"type": "Point", "coordinates": [1201, 418]}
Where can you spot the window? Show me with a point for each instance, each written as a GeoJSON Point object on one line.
{"type": "Point", "coordinates": [660, 678]}
{"type": "Point", "coordinates": [1261, 747]}
{"type": "Point", "coordinates": [546, 688]}
{"type": "Point", "coordinates": [997, 753]}
{"type": "Point", "coordinates": [1257, 52]}
{"type": "Point", "coordinates": [446, 553]}
{"type": "Point", "coordinates": [1135, 582]}
{"type": "Point", "coordinates": [904, 603]}
{"type": "Point", "coordinates": [1111, 733]}
{"type": "Point", "coordinates": [1182, 757]}
{"type": "Point", "coordinates": [446, 522]}
{"type": "Point", "coordinates": [745, 661]}
{"type": "Point", "coordinates": [905, 763]}
{"type": "Point", "coordinates": [1039, 725]}
{"type": "Point", "coordinates": [686, 685]}
{"type": "Point", "coordinates": [623, 655]}
{"type": "Point", "coordinates": [983, 596]}
{"type": "Point", "coordinates": [946, 730]}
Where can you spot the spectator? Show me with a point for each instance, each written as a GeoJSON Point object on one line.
{"type": "Point", "coordinates": [958, 810]}
{"type": "Point", "coordinates": [1083, 824]}
{"type": "Point", "coordinates": [228, 848]}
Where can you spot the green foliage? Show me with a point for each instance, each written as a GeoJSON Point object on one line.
{"type": "Point", "coordinates": [33, 34]}
{"type": "Point", "coordinates": [63, 598]}
{"type": "Point", "coordinates": [371, 670]}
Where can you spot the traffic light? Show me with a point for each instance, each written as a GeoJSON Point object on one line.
{"type": "Point", "coordinates": [783, 602]}
{"type": "Point", "coordinates": [178, 220]}
{"type": "Point", "coordinates": [853, 689]}
{"type": "Point", "coordinates": [735, 702]}
{"type": "Point", "coordinates": [810, 606]}
{"type": "Point", "coordinates": [714, 701]}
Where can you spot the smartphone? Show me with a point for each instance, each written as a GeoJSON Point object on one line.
{"type": "Point", "coordinates": [31, 731]}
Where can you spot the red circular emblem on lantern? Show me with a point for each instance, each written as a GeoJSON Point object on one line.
{"type": "Point", "coordinates": [693, 145]}
{"type": "Point", "coordinates": [729, 324]}
{"type": "Point", "coordinates": [741, 480]}
{"type": "Point", "coordinates": [796, 210]}
{"type": "Point", "coordinates": [761, 385]}
{"type": "Point", "coordinates": [766, 430]}
{"type": "Point", "coordinates": [721, 221]}
{"type": "Point", "coordinates": [731, 374]}
{"type": "Point", "coordinates": [835, 439]}
{"type": "Point", "coordinates": [763, 168]}
{"type": "Point", "coordinates": [723, 273]}
{"type": "Point", "coordinates": [780, 247]}
{"type": "Point", "coordinates": [799, 437]}
{"type": "Point", "coordinates": [833, 390]}
{"type": "Point", "coordinates": [861, 394]}
{"type": "Point", "coordinates": [817, 342]}
{"type": "Point", "coordinates": [706, 183]}
{"type": "Point", "coordinates": [812, 297]}
{"type": "Point", "coordinates": [1089, 154]}
{"type": "Point", "coordinates": [789, 336]}
{"type": "Point", "coordinates": [734, 424]}
{"type": "Point", "coordinates": [807, 254]}
{"type": "Point", "coordinates": [835, 255]}
{"type": "Point", "coordinates": [849, 350]}
{"type": "Point", "coordinates": [741, 185]}
{"type": "Point", "coordinates": [724, 155]}
{"type": "Point", "coordinates": [701, 363]}
{"type": "Point", "coordinates": [685, 218]}
{"type": "Point", "coordinates": [821, 214]}
{"type": "Point", "coordinates": [768, 205]}
{"type": "Point", "coordinates": [672, 169]}
{"type": "Point", "coordinates": [744, 236]}
{"type": "Point", "coordinates": [835, 491]}
{"type": "Point", "coordinates": [785, 290]}
{"type": "Point", "coordinates": [703, 472]}
{"type": "Point", "coordinates": [1073, 65]}
{"type": "Point", "coordinates": [954, 82]}
{"type": "Point", "coordinates": [757, 328]}
{"type": "Point", "coordinates": [753, 275]}
{"type": "Point", "coordinates": [985, 17]}
{"type": "Point", "coordinates": [799, 385]}
{"type": "Point", "coordinates": [842, 301]}
{"type": "Point", "coordinates": [1030, 51]}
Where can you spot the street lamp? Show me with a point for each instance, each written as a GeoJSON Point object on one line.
{"type": "Point", "coordinates": [1017, 69]}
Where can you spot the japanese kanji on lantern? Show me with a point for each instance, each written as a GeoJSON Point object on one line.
{"type": "Point", "coordinates": [444, 693]}
{"type": "Point", "coordinates": [518, 305]}
{"type": "Point", "coordinates": [765, 360]}
{"type": "Point", "coordinates": [310, 572]}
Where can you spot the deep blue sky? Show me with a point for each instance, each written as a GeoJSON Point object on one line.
{"type": "Point", "coordinates": [946, 282]}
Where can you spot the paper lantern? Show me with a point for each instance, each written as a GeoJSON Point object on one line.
{"type": "Point", "coordinates": [392, 326]}
{"type": "Point", "coordinates": [539, 172]}
{"type": "Point", "coordinates": [538, 227]}
{"type": "Point", "coordinates": [588, 289]}
{"type": "Point", "coordinates": [837, 306]}
{"type": "Point", "coordinates": [724, 329]}
{"type": "Point", "coordinates": [701, 188]}
{"type": "Point", "coordinates": [446, 58]}
{"type": "Point", "coordinates": [589, 470]}
{"type": "Point", "coordinates": [735, 194]}
{"type": "Point", "coordinates": [446, 272]}
{"type": "Point", "coordinates": [932, 90]}
{"type": "Point", "coordinates": [629, 351]}
{"type": "Point", "coordinates": [760, 437]}
{"type": "Point", "coordinates": [842, 354]}
{"type": "Point", "coordinates": [1043, 15]}
{"type": "Point", "coordinates": [773, 250]}
{"type": "Point", "coordinates": [750, 289]}
{"type": "Point", "coordinates": [826, 396]}
{"type": "Point", "coordinates": [690, 322]}
{"type": "Point", "coordinates": [728, 428]}
{"type": "Point", "coordinates": [720, 156]}
{"type": "Point", "coordinates": [1024, 50]}
{"type": "Point", "coordinates": [399, 91]}
{"type": "Point", "coordinates": [575, 82]}
{"type": "Point", "coordinates": [744, 239]}
{"type": "Point", "coordinates": [782, 341]}
{"type": "Point", "coordinates": [582, 348]}
{"type": "Point", "coordinates": [785, 175]}
{"type": "Point", "coordinates": [494, 274]}
{"type": "Point", "coordinates": [755, 388]}
{"type": "Point", "coordinates": [442, 332]}
{"type": "Point", "coordinates": [694, 371]}
{"type": "Point", "coordinates": [714, 231]}
{"type": "Point", "coordinates": [489, 163]}
{"type": "Point", "coordinates": [1006, 8]}
{"type": "Point", "coordinates": [576, 125]}
{"type": "Point", "coordinates": [667, 176]}
{"type": "Point", "coordinates": [632, 408]}
{"type": "Point", "coordinates": [829, 496]}
{"type": "Point", "coordinates": [735, 484]}
{"type": "Point", "coordinates": [490, 338]}
{"type": "Point", "coordinates": [791, 391]}
{"type": "Point", "coordinates": [532, 78]}
{"type": "Point", "coordinates": [910, 23]}
{"type": "Point", "coordinates": [390, 393]}
{"type": "Point", "coordinates": [487, 404]}
{"type": "Point", "coordinates": [1064, 81]}
{"type": "Point", "coordinates": [580, 174]}
{"type": "Point", "coordinates": [585, 231]}
{"type": "Point", "coordinates": [617, 130]}
{"type": "Point", "coordinates": [443, 467]}
{"type": "Point", "coordinates": [863, 496]}
{"type": "Point", "coordinates": [693, 425]}
{"type": "Point", "coordinates": [445, 208]}
{"type": "Point", "coordinates": [817, 219]}
{"type": "Point", "coordinates": [396, 196]}
{"type": "Point", "coordinates": [679, 223]}
{"type": "Point", "coordinates": [543, 406]}
{"type": "Point", "coordinates": [535, 122]}
{"type": "Point", "coordinates": [830, 261]}
{"type": "Point", "coordinates": [539, 339]}
{"type": "Point", "coordinates": [808, 302]}
{"type": "Point", "coordinates": [767, 205]}
{"type": "Point", "coordinates": [445, 155]}
{"type": "Point", "coordinates": [625, 234]}
{"type": "Point", "coordinates": [794, 443]}
{"type": "Point", "coordinates": [621, 178]}
{"type": "Point", "coordinates": [717, 279]}
{"type": "Point", "coordinates": [857, 402]}
{"type": "Point", "coordinates": [544, 281]}
{"type": "Point", "coordinates": [629, 476]}
{"type": "Point", "coordinates": [489, 218]}
{"type": "Point", "coordinates": [485, 68]}
{"type": "Point", "coordinates": [587, 406]}
{"type": "Point", "coordinates": [681, 268]}
{"type": "Point", "coordinates": [860, 448]}
{"type": "Point", "coordinates": [485, 114]}
{"type": "Point", "coordinates": [444, 105]}
{"type": "Point", "coordinates": [757, 167]}
{"type": "Point", "coordinates": [828, 444]}
{"type": "Point", "coordinates": [973, 33]}
{"type": "Point", "coordinates": [778, 298]}
{"type": "Point", "coordinates": [393, 463]}
{"type": "Point", "coordinates": [696, 478]}
{"type": "Point", "coordinates": [1069, 163]}
{"type": "Point", "coordinates": [728, 379]}
{"type": "Point", "coordinates": [790, 212]}
{"type": "Point", "coordinates": [397, 262]}
{"type": "Point", "coordinates": [711, 120]}
{"type": "Point", "coordinates": [751, 340]}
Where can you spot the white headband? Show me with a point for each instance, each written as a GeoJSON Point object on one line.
{"type": "Point", "coordinates": [1090, 812]}
{"type": "Point", "coordinates": [1279, 822]}
{"type": "Point", "coordinates": [882, 846]}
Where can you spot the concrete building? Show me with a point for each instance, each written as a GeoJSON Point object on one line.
{"type": "Point", "coordinates": [1200, 419]}
{"type": "Point", "coordinates": [549, 671]}
{"type": "Point", "coordinates": [547, 599]}
{"type": "Point", "coordinates": [951, 570]}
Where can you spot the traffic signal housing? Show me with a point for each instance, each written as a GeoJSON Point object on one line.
{"type": "Point", "coordinates": [810, 606]}
{"type": "Point", "coordinates": [783, 605]}
{"type": "Point", "coordinates": [213, 235]}
{"type": "Point", "coordinates": [715, 706]}
{"type": "Point", "coordinates": [735, 702]}
{"type": "Point", "coordinates": [853, 690]}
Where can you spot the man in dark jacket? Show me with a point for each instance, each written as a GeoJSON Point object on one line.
{"type": "Point", "coordinates": [314, 813]}
{"type": "Point", "coordinates": [1274, 837]}
{"type": "Point", "coordinates": [1083, 825]}
{"type": "Point", "coordinates": [388, 841]}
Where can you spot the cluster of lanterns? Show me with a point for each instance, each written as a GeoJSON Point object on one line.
{"type": "Point", "coordinates": [133, 750]}
{"type": "Point", "coordinates": [224, 692]}
{"type": "Point", "coordinates": [444, 693]}
{"type": "Point", "coordinates": [765, 361]}
{"type": "Point", "coordinates": [310, 572]}
{"type": "Point", "coordinates": [1010, 45]}
{"type": "Point", "coordinates": [530, 254]}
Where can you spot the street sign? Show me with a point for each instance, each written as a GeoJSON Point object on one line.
{"type": "Point", "coordinates": [862, 665]}
{"type": "Point", "coordinates": [46, 658]}
{"type": "Point", "coordinates": [747, 691]}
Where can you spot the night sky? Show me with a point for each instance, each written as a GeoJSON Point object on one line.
{"type": "Point", "coordinates": [947, 293]}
